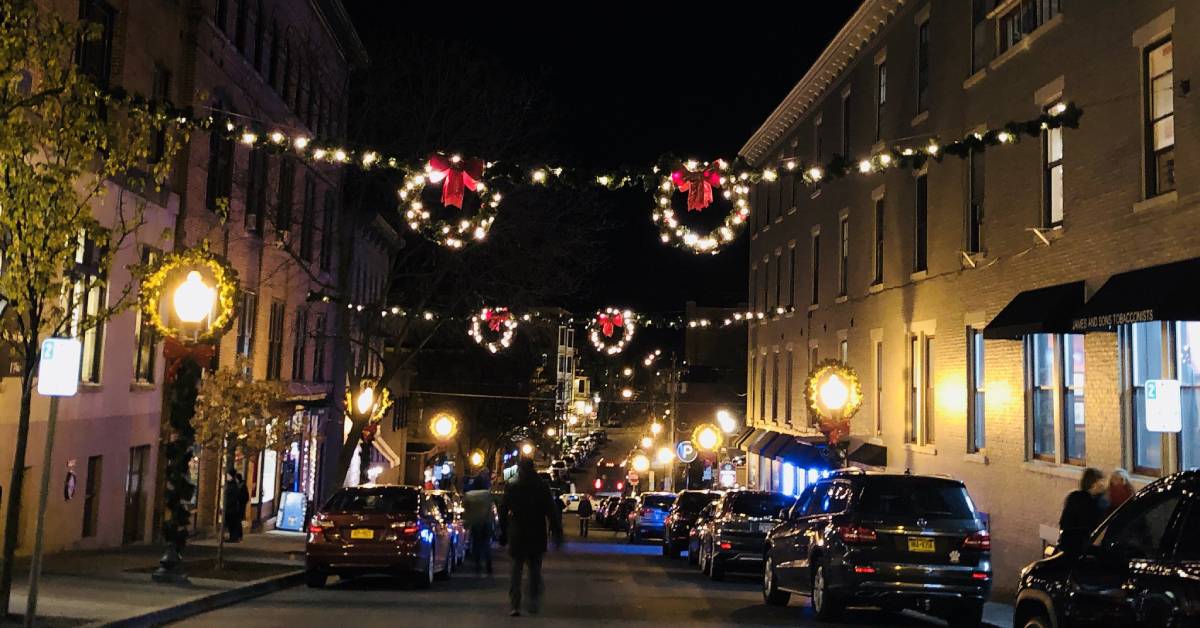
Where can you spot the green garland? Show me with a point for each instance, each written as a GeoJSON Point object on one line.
{"type": "Point", "coordinates": [155, 278]}
{"type": "Point", "coordinates": [178, 453]}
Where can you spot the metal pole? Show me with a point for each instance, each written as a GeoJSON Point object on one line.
{"type": "Point", "coordinates": [35, 564]}
{"type": "Point", "coordinates": [674, 379]}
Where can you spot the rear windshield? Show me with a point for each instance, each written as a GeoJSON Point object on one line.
{"type": "Point", "coordinates": [759, 504]}
{"type": "Point", "coordinates": [658, 502]}
{"type": "Point", "coordinates": [373, 500]}
{"type": "Point", "coordinates": [916, 497]}
{"type": "Point", "coordinates": [694, 502]}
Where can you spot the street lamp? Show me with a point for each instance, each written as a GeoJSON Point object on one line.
{"type": "Point", "coordinates": [656, 428]}
{"type": "Point", "coordinates": [443, 427]}
{"type": "Point", "coordinates": [707, 437]}
{"type": "Point", "coordinates": [726, 422]}
{"type": "Point", "coordinates": [365, 399]}
{"type": "Point", "coordinates": [640, 463]}
{"type": "Point", "coordinates": [627, 372]}
{"type": "Point", "coordinates": [526, 449]}
{"type": "Point", "coordinates": [627, 393]}
{"type": "Point", "coordinates": [647, 442]}
{"type": "Point", "coordinates": [834, 394]}
{"type": "Point", "coordinates": [193, 299]}
{"type": "Point", "coordinates": [664, 456]}
{"type": "Point", "coordinates": [551, 432]}
{"type": "Point", "coordinates": [477, 458]}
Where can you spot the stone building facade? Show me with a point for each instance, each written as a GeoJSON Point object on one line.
{"type": "Point", "coordinates": [1004, 310]}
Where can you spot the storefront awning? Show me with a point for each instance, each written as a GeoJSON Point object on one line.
{"type": "Point", "coordinates": [777, 444]}
{"type": "Point", "coordinates": [803, 454]}
{"type": "Point", "coordinates": [759, 440]}
{"type": "Point", "coordinates": [1157, 293]}
{"type": "Point", "coordinates": [1047, 310]}
{"type": "Point", "coordinates": [869, 454]}
{"type": "Point", "coordinates": [413, 447]}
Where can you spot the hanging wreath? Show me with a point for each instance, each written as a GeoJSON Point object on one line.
{"type": "Point", "coordinates": [612, 329]}
{"type": "Point", "coordinates": [699, 181]}
{"type": "Point", "coordinates": [379, 406]}
{"type": "Point", "coordinates": [500, 325]}
{"type": "Point", "coordinates": [834, 394]}
{"type": "Point", "coordinates": [457, 175]}
{"type": "Point", "coordinates": [172, 269]}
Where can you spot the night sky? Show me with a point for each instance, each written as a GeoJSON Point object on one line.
{"type": "Point", "coordinates": [628, 85]}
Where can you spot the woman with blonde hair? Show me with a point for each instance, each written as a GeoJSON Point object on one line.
{"type": "Point", "coordinates": [1120, 488]}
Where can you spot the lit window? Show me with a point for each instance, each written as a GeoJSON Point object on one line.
{"type": "Point", "coordinates": [1160, 108]}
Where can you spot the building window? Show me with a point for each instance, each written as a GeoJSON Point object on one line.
{"type": "Point", "coordinates": [778, 281]}
{"type": "Point", "coordinates": [219, 183]}
{"type": "Point", "coordinates": [766, 277]}
{"type": "Point", "coordinates": [1052, 179]}
{"type": "Point", "coordinates": [1025, 17]}
{"type": "Point", "coordinates": [791, 277]}
{"type": "Point", "coordinates": [275, 341]}
{"type": "Point", "coordinates": [1161, 350]}
{"type": "Point", "coordinates": [1055, 374]}
{"type": "Point", "coordinates": [878, 278]}
{"type": "Point", "coordinates": [161, 93]}
{"type": "Point", "coordinates": [247, 315]}
{"type": "Point", "coordinates": [1160, 123]}
{"type": "Point", "coordinates": [145, 353]}
{"type": "Point", "coordinates": [981, 34]}
{"type": "Point", "coordinates": [308, 217]}
{"type": "Point", "coordinates": [135, 494]}
{"type": "Point", "coordinates": [919, 428]}
{"type": "Point", "coordinates": [878, 386]}
{"type": "Point", "coordinates": [762, 392]}
{"type": "Point", "coordinates": [327, 241]}
{"type": "Point", "coordinates": [94, 55]}
{"type": "Point", "coordinates": [775, 386]}
{"type": "Point", "coordinates": [846, 124]}
{"type": "Point", "coordinates": [813, 359]}
{"type": "Point", "coordinates": [256, 191]}
{"type": "Point", "coordinates": [241, 24]}
{"type": "Point", "coordinates": [818, 148]}
{"type": "Point", "coordinates": [975, 185]}
{"type": "Point", "coordinates": [816, 268]}
{"type": "Point", "coordinates": [975, 391]}
{"type": "Point", "coordinates": [273, 63]}
{"type": "Point", "coordinates": [88, 300]}
{"type": "Point", "coordinates": [880, 98]}
{"type": "Point", "coordinates": [750, 396]}
{"type": "Point", "coordinates": [221, 15]}
{"type": "Point", "coordinates": [923, 67]}
{"type": "Point", "coordinates": [283, 208]}
{"type": "Point", "coordinates": [787, 400]}
{"type": "Point", "coordinates": [921, 226]}
{"type": "Point", "coordinates": [754, 289]}
{"type": "Point", "coordinates": [844, 351]}
{"type": "Point", "coordinates": [299, 345]}
{"type": "Point", "coordinates": [319, 341]}
{"type": "Point", "coordinates": [91, 495]}
{"type": "Point", "coordinates": [843, 255]}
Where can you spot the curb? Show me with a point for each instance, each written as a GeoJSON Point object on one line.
{"type": "Point", "coordinates": [158, 617]}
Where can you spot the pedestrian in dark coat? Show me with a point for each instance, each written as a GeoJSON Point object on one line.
{"type": "Point", "coordinates": [585, 514]}
{"type": "Point", "coordinates": [236, 498]}
{"type": "Point", "coordinates": [1082, 511]}
{"type": "Point", "coordinates": [526, 511]}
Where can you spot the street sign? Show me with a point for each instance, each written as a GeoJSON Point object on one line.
{"type": "Point", "coordinates": [1163, 408]}
{"type": "Point", "coordinates": [728, 474]}
{"type": "Point", "coordinates": [686, 451]}
{"type": "Point", "coordinates": [633, 477]}
{"type": "Point", "coordinates": [58, 370]}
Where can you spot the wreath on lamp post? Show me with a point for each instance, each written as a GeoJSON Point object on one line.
{"type": "Point", "coordinates": [603, 330]}
{"type": "Point", "coordinates": [499, 323]}
{"type": "Point", "coordinates": [168, 270]}
{"type": "Point", "coordinates": [700, 181]}
{"type": "Point", "coordinates": [833, 393]}
{"type": "Point", "coordinates": [457, 176]}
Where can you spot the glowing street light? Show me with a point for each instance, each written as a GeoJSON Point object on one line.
{"type": "Point", "coordinates": [834, 394]}
{"type": "Point", "coordinates": [656, 428]}
{"type": "Point", "coordinates": [551, 432]}
{"type": "Point", "coordinates": [627, 372]}
{"type": "Point", "coordinates": [526, 449]}
{"type": "Point", "coordinates": [627, 393]}
{"type": "Point", "coordinates": [193, 299]}
{"type": "Point", "coordinates": [365, 400]}
{"type": "Point", "coordinates": [640, 463]}
{"type": "Point", "coordinates": [572, 420]}
{"type": "Point", "coordinates": [707, 437]}
{"type": "Point", "coordinates": [477, 458]}
{"type": "Point", "coordinates": [443, 427]}
{"type": "Point", "coordinates": [726, 422]}
{"type": "Point", "coordinates": [664, 455]}
{"type": "Point", "coordinates": [647, 442]}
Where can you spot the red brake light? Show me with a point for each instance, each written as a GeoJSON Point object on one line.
{"type": "Point", "coordinates": [726, 545]}
{"type": "Point", "coordinates": [981, 540]}
{"type": "Point", "coordinates": [620, 486]}
{"type": "Point", "coordinates": [318, 525]}
{"type": "Point", "coordinates": [646, 512]}
{"type": "Point", "coordinates": [980, 576]}
{"type": "Point", "coordinates": [599, 483]}
{"type": "Point", "coordinates": [855, 535]}
{"type": "Point", "coordinates": [866, 570]}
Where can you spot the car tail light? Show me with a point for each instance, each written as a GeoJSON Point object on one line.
{"type": "Point", "coordinates": [408, 528]}
{"type": "Point", "coordinates": [599, 483]}
{"type": "Point", "coordinates": [646, 512]}
{"type": "Point", "coordinates": [319, 525]}
{"type": "Point", "coordinates": [725, 545]}
{"type": "Point", "coordinates": [864, 570]}
{"type": "Point", "coordinates": [981, 540]}
{"type": "Point", "coordinates": [979, 575]}
{"type": "Point", "coordinates": [855, 535]}
{"type": "Point", "coordinates": [620, 486]}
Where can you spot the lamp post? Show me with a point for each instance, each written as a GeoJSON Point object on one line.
{"type": "Point", "coordinates": [834, 393]}
{"type": "Point", "coordinates": [202, 304]}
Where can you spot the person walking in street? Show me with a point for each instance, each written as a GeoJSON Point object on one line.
{"type": "Point", "coordinates": [585, 514]}
{"type": "Point", "coordinates": [1082, 511]}
{"type": "Point", "coordinates": [236, 498]}
{"type": "Point", "coordinates": [478, 504]}
{"type": "Point", "coordinates": [1120, 489]}
{"type": "Point", "coordinates": [526, 511]}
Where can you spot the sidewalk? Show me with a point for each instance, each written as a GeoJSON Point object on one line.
{"type": "Point", "coordinates": [100, 587]}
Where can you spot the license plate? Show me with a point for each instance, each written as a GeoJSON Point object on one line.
{"type": "Point", "coordinates": [766, 527]}
{"type": "Point", "coordinates": [364, 533]}
{"type": "Point", "coordinates": [920, 544]}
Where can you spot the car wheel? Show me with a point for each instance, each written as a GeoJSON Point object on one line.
{"type": "Point", "coordinates": [702, 559]}
{"type": "Point", "coordinates": [315, 579]}
{"type": "Point", "coordinates": [771, 593]}
{"type": "Point", "coordinates": [693, 556]}
{"type": "Point", "coordinates": [968, 615]}
{"type": "Point", "coordinates": [666, 549]}
{"type": "Point", "coordinates": [716, 570]}
{"type": "Point", "coordinates": [1038, 620]}
{"type": "Point", "coordinates": [448, 568]}
{"type": "Point", "coordinates": [825, 605]}
{"type": "Point", "coordinates": [425, 578]}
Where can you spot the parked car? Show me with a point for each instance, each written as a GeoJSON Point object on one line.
{"type": "Point", "coordinates": [699, 526]}
{"type": "Point", "coordinates": [648, 514]}
{"type": "Point", "coordinates": [378, 529]}
{"type": "Point", "coordinates": [450, 506]}
{"type": "Point", "coordinates": [604, 512]}
{"type": "Point", "coordinates": [888, 540]}
{"type": "Point", "coordinates": [679, 522]}
{"type": "Point", "coordinates": [733, 539]}
{"type": "Point", "coordinates": [1141, 566]}
{"type": "Point", "coordinates": [558, 470]}
{"type": "Point", "coordinates": [620, 515]}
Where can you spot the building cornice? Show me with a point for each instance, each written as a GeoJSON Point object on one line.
{"type": "Point", "coordinates": [855, 35]}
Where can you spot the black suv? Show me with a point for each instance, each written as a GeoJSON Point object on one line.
{"type": "Point", "coordinates": [1141, 567]}
{"type": "Point", "coordinates": [688, 505]}
{"type": "Point", "coordinates": [886, 540]}
{"type": "Point", "coordinates": [732, 540]}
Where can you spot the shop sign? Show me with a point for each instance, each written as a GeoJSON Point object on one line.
{"type": "Point", "coordinates": [1163, 407]}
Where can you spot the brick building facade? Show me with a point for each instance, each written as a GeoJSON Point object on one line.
{"type": "Point", "coordinates": [922, 279]}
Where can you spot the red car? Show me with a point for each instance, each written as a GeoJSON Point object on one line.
{"type": "Point", "coordinates": [379, 529]}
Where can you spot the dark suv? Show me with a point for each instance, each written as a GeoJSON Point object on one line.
{"type": "Point", "coordinates": [688, 505]}
{"type": "Point", "coordinates": [893, 541]}
{"type": "Point", "coordinates": [1141, 567]}
{"type": "Point", "coordinates": [732, 540]}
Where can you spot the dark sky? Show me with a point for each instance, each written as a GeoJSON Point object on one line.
{"type": "Point", "coordinates": [632, 83]}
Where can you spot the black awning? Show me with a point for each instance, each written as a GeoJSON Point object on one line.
{"type": "Point", "coordinates": [869, 454]}
{"type": "Point", "coordinates": [1157, 293]}
{"type": "Point", "coordinates": [776, 445]}
{"type": "Point", "coordinates": [1047, 310]}
{"type": "Point", "coordinates": [413, 447]}
{"type": "Point", "coordinates": [738, 441]}
{"type": "Point", "coordinates": [761, 439]}
{"type": "Point", "coordinates": [804, 455]}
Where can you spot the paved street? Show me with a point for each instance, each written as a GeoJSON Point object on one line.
{"type": "Point", "coordinates": [598, 582]}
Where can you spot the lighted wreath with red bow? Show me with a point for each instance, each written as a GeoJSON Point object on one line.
{"type": "Point", "coordinates": [500, 326]}
{"type": "Point", "coordinates": [458, 175]}
{"type": "Point", "coordinates": [698, 180]}
{"type": "Point", "coordinates": [845, 388]}
{"type": "Point", "coordinates": [612, 329]}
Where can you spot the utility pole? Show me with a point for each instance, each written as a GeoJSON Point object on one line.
{"type": "Point", "coordinates": [674, 383]}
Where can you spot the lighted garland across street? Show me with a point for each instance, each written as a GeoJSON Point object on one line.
{"type": "Point", "coordinates": [496, 321]}
{"type": "Point", "coordinates": [457, 175]}
{"type": "Point", "coordinates": [698, 181]}
{"type": "Point", "coordinates": [834, 394]}
{"type": "Point", "coordinates": [169, 268]}
{"type": "Point", "coordinates": [603, 330]}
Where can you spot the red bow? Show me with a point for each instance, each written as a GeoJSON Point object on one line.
{"type": "Point", "coordinates": [698, 185]}
{"type": "Point", "coordinates": [368, 432]}
{"type": "Point", "coordinates": [176, 352]}
{"type": "Point", "coordinates": [458, 177]}
{"type": "Point", "coordinates": [608, 323]}
{"type": "Point", "coordinates": [496, 318]}
{"type": "Point", "coordinates": [834, 430]}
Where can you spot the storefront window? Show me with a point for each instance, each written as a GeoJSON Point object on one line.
{"type": "Point", "coordinates": [1055, 367]}
{"type": "Point", "coordinates": [1041, 349]}
{"type": "Point", "coordinates": [1187, 356]}
{"type": "Point", "coordinates": [1145, 344]}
